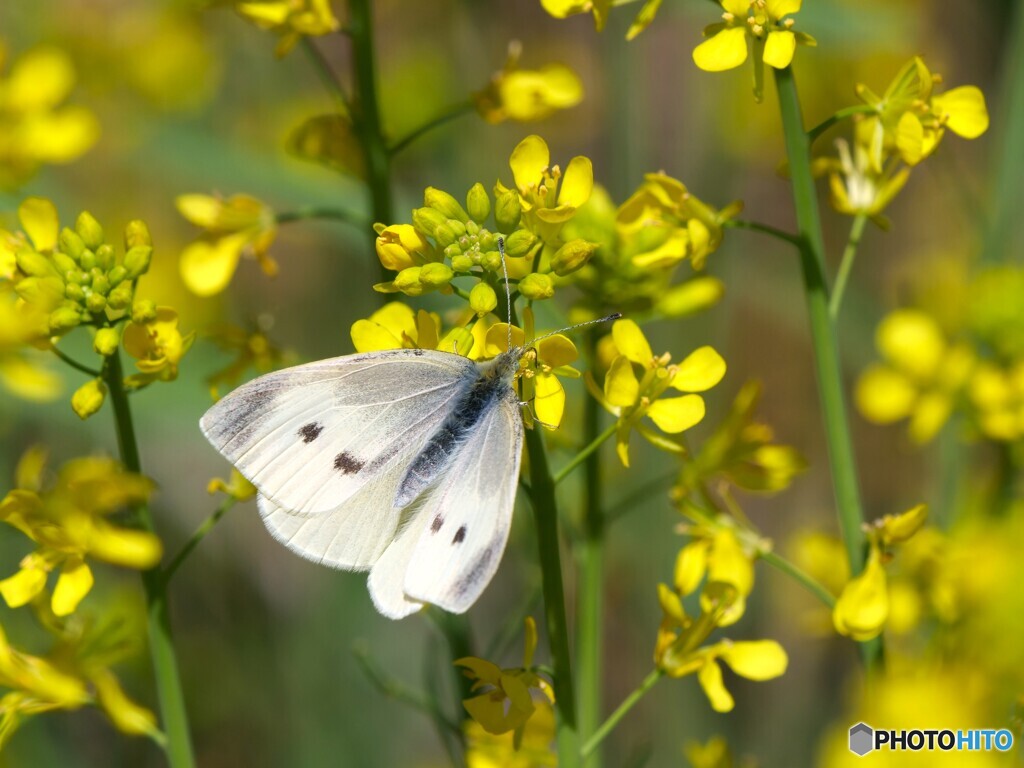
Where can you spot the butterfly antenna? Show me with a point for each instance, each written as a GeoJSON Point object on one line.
{"type": "Point", "coordinates": [508, 291]}
{"type": "Point", "coordinates": [609, 318]}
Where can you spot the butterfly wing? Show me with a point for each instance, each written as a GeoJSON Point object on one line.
{"type": "Point", "coordinates": [312, 437]}
{"type": "Point", "coordinates": [450, 548]}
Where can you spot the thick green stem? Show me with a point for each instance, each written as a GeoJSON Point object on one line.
{"type": "Point", "coordinates": [173, 714]}
{"type": "Point", "coordinates": [823, 335]}
{"type": "Point", "coordinates": [627, 704]}
{"type": "Point", "coordinates": [846, 265]}
{"type": "Point", "coordinates": [545, 512]}
{"type": "Point", "coordinates": [367, 109]}
{"type": "Point", "coordinates": [592, 573]}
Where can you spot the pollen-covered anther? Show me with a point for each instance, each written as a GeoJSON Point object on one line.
{"type": "Point", "coordinates": [788, 23]}
{"type": "Point", "coordinates": [663, 359]}
{"type": "Point", "coordinates": [645, 401]}
{"type": "Point", "coordinates": [542, 191]}
{"type": "Point", "coordinates": [728, 16]}
{"type": "Point", "coordinates": [751, 20]}
{"type": "Point", "coordinates": [757, 29]}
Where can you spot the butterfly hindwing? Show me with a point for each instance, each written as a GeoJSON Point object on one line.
{"type": "Point", "coordinates": [312, 437]}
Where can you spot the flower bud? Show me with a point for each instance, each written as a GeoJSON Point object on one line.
{"type": "Point", "coordinates": [120, 297]}
{"type": "Point", "coordinates": [95, 303]}
{"type": "Point", "coordinates": [87, 260]}
{"type": "Point", "coordinates": [117, 274]}
{"type": "Point", "coordinates": [572, 256]}
{"type": "Point", "coordinates": [101, 284]}
{"type": "Point", "coordinates": [491, 261]}
{"type": "Point", "coordinates": [34, 264]}
{"type": "Point", "coordinates": [63, 319]}
{"type": "Point", "coordinates": [400, 246]}
{"type": "Point", "coordinates": [482, 299]}
{"type": "Point", "coordinates": [537, 286]}
{"type": "Point", "coordinates": [519, 243]}
{"type": "Point", "coordinates": [88, 398]}
{"type": "Point", "coordinates": [64, 263]}
{"type": "Point", "coordinates": [40, 291]}
{"type": "Point", "coordinates": [444, 203]}
{"type": "Point", "coordinates": [488, 242]}
{"type": "Point", "coordinates": [436, 275]}
{"type": "Point", "coordinates": [143, 311]}
{"type": "Point", "coordinates": [462, 263]}
{"type": "Point", "coordinates": [105, 341]}
{"type": "Point", "coordinates": [408, 281]}
{"type": "Point", "coordinates": [507, 210]}
{"type": "Point", "coordinates": [457, 227]}
{"type": "Point", "coordinates": [427, 220]}
{"type": "Point", "coordinates": [136, 261]}
{"type": "Point", "coordinates": [444, 235]}
{"type": "Point", "coordinates": [105, 256]}
{"type": "Point", "coordinates": [478, 204]}
{"type": "Point", "coordinates": [691, 296]}
{"type": "Point", "coordinates": [895, 529]}
{"type": "Point", "coordinates": [89, 230]}
{"type": "Point", "coordinates": [136, 234]}
{"type": "Point", "coordinates": [74, 292]}
{"type": "Point", "coordinates": [71, 243]}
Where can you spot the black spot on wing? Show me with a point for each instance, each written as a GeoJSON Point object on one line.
{"type": "Point", "coordinates": [348, 464]}
{"type": "Point", "coordinates": [418, 352]}
{"type": "Point", "coordinates": [436, 525]}
{"type": "Point", "coordinates": [460, 535]}
{"type": "Point", "coordinates": [311, 432]}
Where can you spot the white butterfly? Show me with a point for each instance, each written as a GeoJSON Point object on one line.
{"type": "Point", "coordinates": [403, 462]}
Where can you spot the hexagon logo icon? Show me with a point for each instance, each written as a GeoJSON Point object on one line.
{"type": "Point", "coordinates": [862, 739]}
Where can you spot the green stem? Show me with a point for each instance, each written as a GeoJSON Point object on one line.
{"type": "Point", "coordinates": [766, 229]}
{"type": "Point", "coordinates": [452, 113]}
{"type": "Point", "coordinates": [174, 716]}
{"type": "Point", "coordinates": [583, 455]}
{"type": "Point", "coordinates": [823, 336]}
{"type": "Point", "coordinates": [814, 586]}
{"type": "Point", "coordinates": [200, 533]}
{"type": "Point", "coordinates": [75, 364]}
{"type": "Point", "coordinates": [589, 628]}
{"type": "Point", "coordinates": [368, 120]}
{"type": "Point", "coordinates": [313, 212]}
{"type": "Point", "coordinates": [627, 704]}
{"type": "Point", "coordinates": [545, 511]}
{"type": "Point", "coordinates": [846, 265]}
{"type": "Point", "coordinates": [842, 114]}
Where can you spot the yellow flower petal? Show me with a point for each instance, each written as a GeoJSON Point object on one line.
{"type": "Point", "coordinates": [756, 659]}
{"type": "Point", "coordinates": [28, 381]}
{"type": "Point", "coordinates": [61, 136]}
{"type": "Point", "coordinates": [701, 370]}
{"type": "Point", "coordinates": [481, 669]}
{"type": "Point", "coordinates": [631, 342]}
{"type": "Point", "coordinates": [862, 608]}
{"type": "Point", "coordinates": [779, 8]}
{"type": "Point", "coordinates": [577, 182]}
{"type": "Point", "coordinates": [490, 713]}
{"type": "Point", "coordinates": [676, 414]}
{"type": "Point", "coordinates": [368, 336]}
{"type": "Point", "coordinates": [19, 589]}
{"type": "Point", "coordinates": [621, 387]}
{"type": "Point", "coordinates": [910, 138]}
{"type": "Point", "coordinates": [125, 714]}
{"type": "Point", "coordinates": [73, 584]}
{"type": "Point", "coordinates": [549, 399]}
{"type": "Point", "coordinates": [202, 210]}
{"type": "Point", "coordinates": [710, 678]}
{"type": "Point", "coordinates": [207, 268]}
{"type": "Point", "coordinates": [930, 413]}
{"type": "Point", "coordinates": [896, 529]}
{"type": "Point", "coordinates": [125, 547]}
{"type": "Point", "coordinates": [40, 79]}
{"type": "Point", "coordinates": [691, 564]}
{"type": "Point", "coordinates": [964, 111]}
{"type": "Point", "coordinates": [556, 351]}
{"type": "Point", "coordinates": [726, 50]}
{"type": "Point", "coordinates": [884, 395]}
{"type": "Point", "coordinates": [497, 339]}
{"type": "Point", "coordinates": [728, 563]}
{"type": "Point", "coordinates": [738, 8]}
{"type": "Point", "coordinates": [528, 161]}
{"type": "Point", "coordinates": [670, 604]}
{"type": "Point", "coordinates": [38, 217]}
{"type": "Point", "coordinates": [912, 341]}
{"type": "Point", "coordinates": [779, 48]}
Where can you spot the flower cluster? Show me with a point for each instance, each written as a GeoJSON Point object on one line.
{"type": "Point", "coordinates": [631, 399]}
{"type": "Point", "coordinates": [290, 19]}
{"type": "Point", "coordinates": [36, 126]}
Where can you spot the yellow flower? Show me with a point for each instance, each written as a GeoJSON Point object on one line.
{"type": "Point", "coordinates": [561, 9]}
{"type": "Point", "coordinates": [524, 95]}
{"type": "Point", "coordinates": [539, 371]}
{"type": "Point", "coordinates": [532, 746]}
{"type": "Point", "coordinates": [760, 24]}
{"type": "Point", "coordinates": [19, 372]}
{"type": "Point", "coordinates": [291, 19]}
{"type": "Point", "coordinates": [863, 606]}
{"type": "Point", "coordinates": [741, 451]}
{"type": "Point", "coordinates": [237, 487]}
{"type": "Point", "coordinates": [678, 651]}
{"type": "Point", "coordinates": [548, 198]}
{"type": "Point", "coordinates": [920, 376]}
{"type": "Point", "coordinates": [157, 346]}
{"type": "Point", "coordinates": [506, 703]}
{"type": "Point", "coordinates": [911, 119]}
{"type": "Point", "coordinates": [998, 398]}
{"type": "Point", "coordinates": [670, 224]}
{"type": "Point", "coordinates": [68, 523]}
{"type": "Point", "coordinates": [36, 129]}
{"type": "Point", "coordinates": [714, 754]}
{"type": "Point", "coordinates": [397, 326]}
{"type": "Point", "coordinates": [715, 551]}
{"type": "Point", "coordinates": [858, 188]}
{"type": "Point", "coordinates": [252, 348]}
{"type": "Point", "coordinates": [401, 246]}
{"type": "Point", "coordinates": [631, 399]}
{"type": "Point", "coordinates": [240, 225]}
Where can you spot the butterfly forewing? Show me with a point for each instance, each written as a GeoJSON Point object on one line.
{"type": "Point", "coordinates": [313, 437]}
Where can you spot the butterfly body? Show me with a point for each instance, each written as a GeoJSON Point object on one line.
{"type": "Point", "coordinates": [401, 462]}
